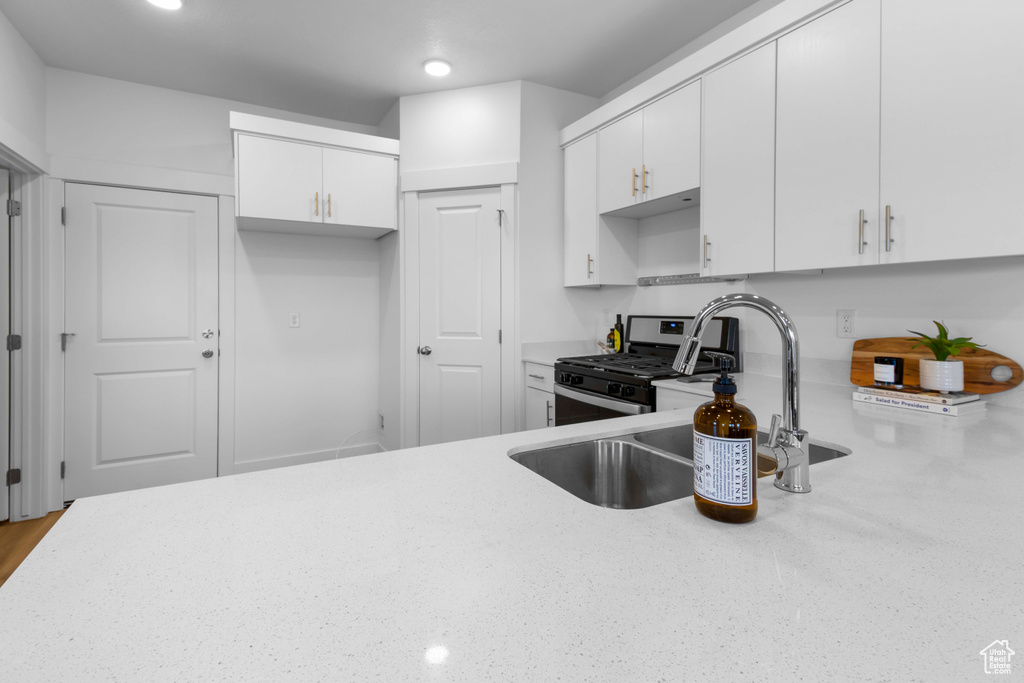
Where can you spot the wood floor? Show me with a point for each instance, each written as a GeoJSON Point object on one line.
{"type": "Point", "coordinates": [18, 540]}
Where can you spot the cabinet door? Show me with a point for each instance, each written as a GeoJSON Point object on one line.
{"type": "Point", "coordinates": [827, 141]}
{"type": "Point", "coordinates": [581, 212]}
{"type": "Point", "coordinates": [952, 134]}
{"type": "Point", "coordinates": [619, 163]}
{"type": "Point", "coordinates": [671, 159]}
{"type": "Point", "coordinates": [738, 179]}
{"type": "Point", "coordinates": [360, 189]}
{"type": "Point", "coordinates": [540, 407]}
{"type": "Point", "coordinates": [279, 180]}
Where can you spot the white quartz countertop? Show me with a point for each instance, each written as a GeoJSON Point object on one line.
{"type": "Point", "coordinates": [454, 562]}
{"type": "Point", "coordinates": [546, 353]}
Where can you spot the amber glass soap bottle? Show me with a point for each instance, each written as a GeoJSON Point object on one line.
{"type": "Point", "coordinates": [725, 454]}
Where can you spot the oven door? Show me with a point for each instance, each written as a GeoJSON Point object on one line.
{"type": "Point", "coordinates": [576, 405]}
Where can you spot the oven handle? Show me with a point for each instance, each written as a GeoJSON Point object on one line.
{"type": "Point", "coordinates": [601, 402]}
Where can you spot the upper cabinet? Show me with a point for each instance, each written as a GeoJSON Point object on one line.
{"type": "Point", "coordinates": [952, 144]}
{"type": "Point", "coordinates": [738, 185]}
{"type": "Point", "coordinates": [826, 173]}
{"type": "Point", "coordinates": [305, 186]}
{"type": "Point", "coordinates": [649, 161]}
{"type": "Point", "coordinates": [599, 250]}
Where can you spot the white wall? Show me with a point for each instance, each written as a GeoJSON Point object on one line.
{"type": "Point", "coordinates": [304, 392]}
{"type": "Point", "coordinates": [390, 125]}
{"type": "Point", "coordinates": [106, 130]}
{"type": "Point", "coordinates": [22, 97]}
{"type": "Point", "coordinates": [465, 127]}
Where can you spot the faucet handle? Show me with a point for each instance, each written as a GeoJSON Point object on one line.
{"type": "Point", "coordinates": [773, 430]}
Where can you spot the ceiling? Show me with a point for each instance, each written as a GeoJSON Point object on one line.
{"type": "Point", "coordinates": [349, 60]}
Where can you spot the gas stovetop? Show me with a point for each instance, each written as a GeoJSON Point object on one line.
{"type": "Point", "coordinates": [633, 364]}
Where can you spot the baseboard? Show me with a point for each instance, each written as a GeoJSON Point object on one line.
{"type": "Point", "coordinates": [304, 458]}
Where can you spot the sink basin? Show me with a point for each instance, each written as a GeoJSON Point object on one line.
{"type": "Point", "coordinates": [679, 440]}
{"type": "Point", "coordinates": [615, 473]}
{"type": "Point", "coordinates": [636, 470]}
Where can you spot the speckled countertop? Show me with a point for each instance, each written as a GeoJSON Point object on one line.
{"type": "Point", "coordinates": [453, 562]}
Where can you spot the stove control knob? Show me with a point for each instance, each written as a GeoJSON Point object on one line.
{"type": "Point", "coordinates": [614, 388]}
{"type": "Point", "coordinates": [564, 377]}
{"type": "Point", "coordinates": [628, 391]}
{"type": "Point", "coordinates": [576, 379]}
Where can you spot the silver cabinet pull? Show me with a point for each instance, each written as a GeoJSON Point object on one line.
{"type": "Point", "coordinates": [590, 267]}
{"type": "Point", "coordinates": [208, 353]}
{"type": "Point", "coordinates": [549, 411]}
{"type": "Point", "coordinates": [707, 259]}
{"type": "Point", "coordinates": [424, 350]}
{"type": "Point", "coordinates": [888, 227]}
{"type": "Point", "coordinates": [860, 239]}
{"type": "Point", "coordinates": [540, 377]}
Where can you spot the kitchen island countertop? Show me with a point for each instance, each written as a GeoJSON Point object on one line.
{"type": "Point", "coordinates": [453, 562]}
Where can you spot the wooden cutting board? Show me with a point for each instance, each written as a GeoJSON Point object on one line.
{"type": "Point", "coordinates": [978, 364]}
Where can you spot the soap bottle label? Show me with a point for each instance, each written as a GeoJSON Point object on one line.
{"type": "Point", "coordinates": [722, 468]}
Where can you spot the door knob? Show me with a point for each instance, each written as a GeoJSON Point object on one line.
{"type": "Point", "coordinates": [425, 350]}
{"type": "Point", "coordinates": [208, 353]}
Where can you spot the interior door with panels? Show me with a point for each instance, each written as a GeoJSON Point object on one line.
{"type": "Point", "coordinates": [141, 355]}
{"type": "Point", "coordinates": [5, 329]}
{"type": "Point", "coordinates": [460, 315]}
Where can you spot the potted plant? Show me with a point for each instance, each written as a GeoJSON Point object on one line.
{"type": "Point", "coordinates": [941, 374]}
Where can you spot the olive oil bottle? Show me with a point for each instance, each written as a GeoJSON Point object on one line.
{"type": "Point", "coordinates": [725, 454]}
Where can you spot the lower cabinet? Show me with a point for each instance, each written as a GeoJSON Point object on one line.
{"type": "Point", "coordinates": [540, 408]}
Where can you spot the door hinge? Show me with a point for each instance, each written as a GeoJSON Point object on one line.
{"type": "Point", "coordinates": [64, 340]}
{"type": "Point", "coordinates": [13, 477]}
{"type": "Point", "coordinates": [61, 469]}
{"type": "Point", "coordinates": [501, 215]}
{"type": "Point", "coordinates": [499, 336]}
{"type": "Point", "coordinates": [14, 342]}
{"type": "Point", "coordinates": [63, 215]}
{"type": "Point", "coordinates": [13, 208]}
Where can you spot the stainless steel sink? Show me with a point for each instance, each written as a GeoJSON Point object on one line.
{"type": "Point", "coordinates": [615, 473]}
{"type": "Point", "coordinates": [635, 470]}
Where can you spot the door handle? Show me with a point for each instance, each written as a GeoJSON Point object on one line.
{"type": "Point", "coordinates": [889, 218]}
{"type": "Point", "coordinates": [424, 350]}
{"type": "Point", "coordinates": [208, 353]}
{"type": "Point", "coordinates": [549, 411]}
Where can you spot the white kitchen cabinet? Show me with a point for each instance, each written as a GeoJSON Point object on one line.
{"type": "Point", "coordinates": [599, 250]}
{"type": "Point", "coordinates": [279, 179]}
{"type": "Point", "coordinates": [299, 178]}
{"type": "Point", "coordinates": [952, 139]}
{"type": "Point", "coordinates": [360, 189]}
{"type": "Point", "coordinates": [540, 397]}
{"type": "Point", "coordinates": [651, 154]}
{"type": "Point", "coordinates": [827, 137]}
{"type": "Point", "coordinates": [738, 179]}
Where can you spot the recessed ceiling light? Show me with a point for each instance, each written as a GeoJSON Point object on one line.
{"type": "Point", "coordinates": [434, 67]}
{"type": "Point", "coordinates": [166, 4]}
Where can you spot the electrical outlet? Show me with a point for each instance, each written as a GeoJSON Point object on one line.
{"type": "Point", "coordinates": [846, 324]}
{"type": "Point", "coordinates": [293, 320]}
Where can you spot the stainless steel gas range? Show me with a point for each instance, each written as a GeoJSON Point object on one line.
{"type": "Point", "coordinates": [589, 388]}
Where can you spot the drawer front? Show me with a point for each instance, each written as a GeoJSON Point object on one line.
{"type": "Point", "coordinates": [540, 376]}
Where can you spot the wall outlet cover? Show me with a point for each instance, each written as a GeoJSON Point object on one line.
{"type": "Point", "coordinates": [846, 324]}
{"type": "Point", "coordinates": [293, 320]}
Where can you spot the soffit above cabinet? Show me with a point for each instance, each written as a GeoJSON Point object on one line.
{"type": "Point", "coordinates": [327, 137]}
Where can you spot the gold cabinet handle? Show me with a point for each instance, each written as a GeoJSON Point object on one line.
{"type": "Point", "coordinates": [643, 184]}
{"type": "Point", "coordinates": [634, 181]}
{"type": "Point", "coordinates": [316, 204]}
{"type": "Point", "coordinates": [328, 204]}
{"type": "Point", "coordinates": [590, 269]}
{"type": "Point", "coordinates": [860, 235]}
{"type": "Point", "coordinates": [888, 227]}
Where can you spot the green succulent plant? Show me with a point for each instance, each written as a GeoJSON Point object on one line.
{"type": "Point", "coordinates": [942, 346]}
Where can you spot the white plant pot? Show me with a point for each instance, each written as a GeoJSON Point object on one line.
{"type": "Point", "coordinates": [942, 375]}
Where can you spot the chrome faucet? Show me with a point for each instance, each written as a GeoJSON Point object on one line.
{"type": "Point", "coordinates": [786, 441]}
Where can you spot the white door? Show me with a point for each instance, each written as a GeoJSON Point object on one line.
{"type": "Point", "coordinates": [952, 135]}
{"type": "Point", "coordinates": [360, 189]}
{"type": "Point", "coordinates": [672, 144]}
{"type": "Point", "coordinates": [460, 315]}
{"type": "Point", "coordinates": [827, 141]}
{"type": "Point", "coordinates": [619, 163]}
{"type": "Point", "coordinates": [141, 368]}
{"type": "Point", "coordinates": [581, 222]}
{"type": "Point", "coordinates": [737, 206]}
{"type": "Point", "coordinates": [281, 180]}
{"type": "Point", "coordinates": [5, 329]}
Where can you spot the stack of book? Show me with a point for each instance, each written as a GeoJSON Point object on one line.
{"type": "Point", "coordinates": [915, 398]}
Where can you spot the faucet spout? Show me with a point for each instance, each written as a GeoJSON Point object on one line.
{"type": "Point", "coordinates": [786, 445]}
